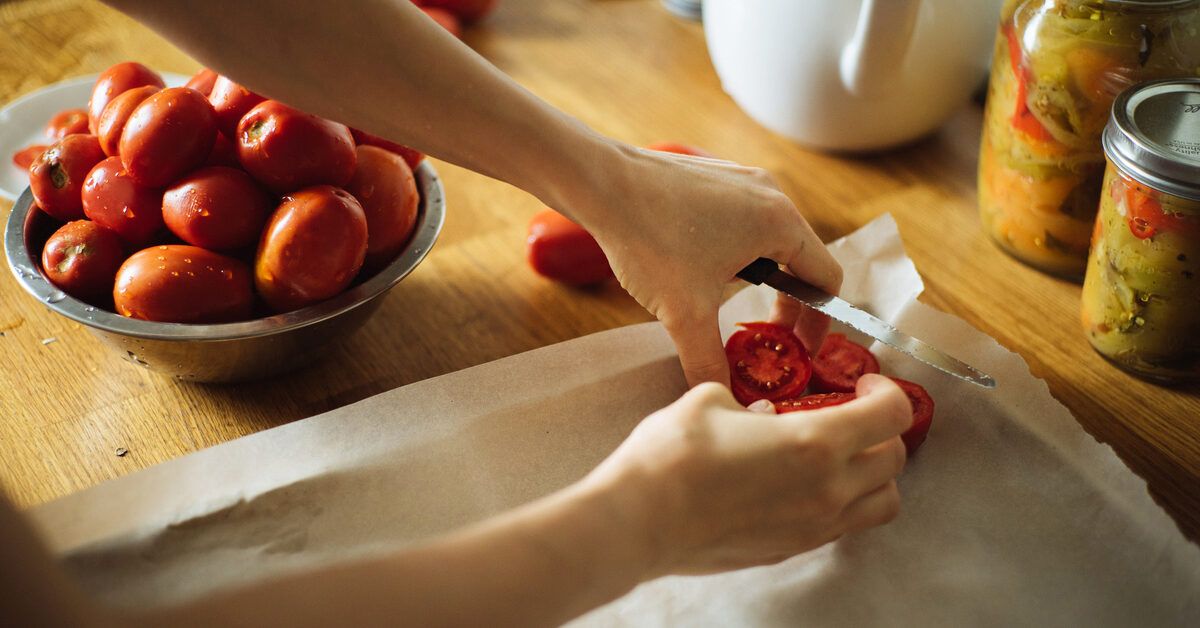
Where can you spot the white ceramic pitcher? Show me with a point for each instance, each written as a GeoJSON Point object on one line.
{"type": "Point", "coordinates": [851, 75]}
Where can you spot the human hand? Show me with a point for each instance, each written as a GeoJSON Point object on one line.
{"type": "Point", "coordinates": [714, 487]}
{"type": "Point", "coordinates": [681, 227]}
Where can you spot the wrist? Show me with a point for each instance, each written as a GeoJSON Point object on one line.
{"type": "Point", "coordinates": [624, 499]}
{"type": "Point", "coordinates": [576, 174]}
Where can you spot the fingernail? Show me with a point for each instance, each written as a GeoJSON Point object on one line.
{"type": "Point", "coordinates": [762, 406]}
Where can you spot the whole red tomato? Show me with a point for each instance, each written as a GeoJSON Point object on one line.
{"type": "Point", "coordinates": [176, 283]}
{"type": "Point", "coordinates": [116, 114]}
{"type": "Point", "coordinates": [116, 80]}
{"type": "Point", "coordinates": [385, 187]}
{"type": "Point", "coordinates": [287, 149]}
{"type": "Point", "coordinates": [115, 201]}
{"type": "Point", "coordinates": [26, 156]}
{"type": "Point", "coordinates": [563, 251]}
{"type": "Point", "coordinates": [216, 208]}
{"type": "Point", "coordinates": [466, 10]}
{"type": "Point", "coordinates": [56, 176]}
{"type": "Point", "coordinates": [202, 81]}
{"type": "Point", "coordinates": [231, 101]}
{"type": "Point", "coordinates": [168, 134]}
{"type": "Point", "coordinates": [312, 248]}
{"type": "Point", "coordinates": [82, 259]}
{"type": "Point", "coordinates": [411, 156]}
{"type": "Point", "coordinates": [66, 123]}
{"type": "Point", "coordinates": [446, 19]}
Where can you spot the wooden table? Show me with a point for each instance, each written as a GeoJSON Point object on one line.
{"type": "Point", "coordinates": [632, 71]}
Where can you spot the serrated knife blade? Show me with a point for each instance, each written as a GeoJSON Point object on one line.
{"type": "Point", "coordinates": [767, 271]}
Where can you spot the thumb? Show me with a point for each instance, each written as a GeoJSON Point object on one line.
{"type": "Point", "coordinates": [701, 352]}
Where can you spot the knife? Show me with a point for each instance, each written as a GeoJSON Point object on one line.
{"type": "Point", "coordinates": [767, 271]}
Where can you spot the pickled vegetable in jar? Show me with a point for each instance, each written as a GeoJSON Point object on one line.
{"type": "Point", "coordinates": [1141, 295]}
{"type": "Point", "coordinates": [1057, 67]}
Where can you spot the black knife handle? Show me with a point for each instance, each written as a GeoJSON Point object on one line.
{"type": "Point", "coordinates": [758, 271]}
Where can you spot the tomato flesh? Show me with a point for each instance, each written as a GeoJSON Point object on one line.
{"type": "Point", "coordinates": [922, 405]}
{"type": "Point", "coordinates": [840, 363]}
{"type": "Point", "coordinates": [812, 402]}
{"type": "Point", "coordinates": [766, 361]}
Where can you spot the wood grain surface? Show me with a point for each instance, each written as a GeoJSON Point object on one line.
{"type": "Point", "coordinates": [633, 71]}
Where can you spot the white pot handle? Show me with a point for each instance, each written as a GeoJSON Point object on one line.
{"type": "Point", "coordinates": [875, 54]}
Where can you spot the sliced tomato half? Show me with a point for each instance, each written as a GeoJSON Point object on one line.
{"type": "Point", "coordinates": [812, 402]}
{"type": "Point", "coordinates": [922, 405]}
{"type": "Point", "coordinates": [26, 156]}
{"type": "Point", "coordinates": [840, 363]}
{"type": "Point", "coordinates": [766, 362]}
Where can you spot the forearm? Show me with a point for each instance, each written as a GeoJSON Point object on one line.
{"type": "Point", "coordinates": [541, 564]}
{"type": "Point", "coordinates": [383, 67]}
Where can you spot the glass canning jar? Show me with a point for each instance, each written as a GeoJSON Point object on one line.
{"type": "Point", "coordinates": [1057, 67]}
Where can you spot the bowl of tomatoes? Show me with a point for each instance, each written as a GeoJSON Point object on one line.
{"type": "Point", "coordinates": [213, 235]}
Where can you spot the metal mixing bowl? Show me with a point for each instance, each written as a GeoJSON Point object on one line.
{"type": "Point", "coordinates": [228, 352]}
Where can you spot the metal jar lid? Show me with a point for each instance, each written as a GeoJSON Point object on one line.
{"type": "Point", "coordinates": [1153, 135]}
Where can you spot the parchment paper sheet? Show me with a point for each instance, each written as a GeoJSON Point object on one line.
{"type": "Point", "coordinates": [1012, 514]}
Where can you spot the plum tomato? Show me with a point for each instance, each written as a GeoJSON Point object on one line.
{"type": "Point", "coordinates": [202, 81]}
{"type": "Point", "coordinates": [766, 361]}
{"type": "Point", "coordinates": [466, 10]}
{"type": "Point", "coordinates": [839, 364]}
{"type": "Point", "coordinates": [446, 19]}
{"type": "Point", "coordinates": [313, 246]}
{"type": "Point", "coordinates": [115, 201]}
{"type": "Point", "coordinates": [168, 134]}
{"type": "Point", "coordinates": [66, 123]}
{"type": "Point", "coordinates": [411, 156]}
{"type": "Point", "coordinates": [26, 156]}
{"type": "Point", "coordinates": [115, 81]}
{"type": "Point", "coordinates": [561, 250]}
{"type": "Point", "coordinates": [287, 149]}
{"type": "Point", "coordinates": [223, 153]}
{"type": "Point", "coordinates": [116, 114]}
{"type": "Point", "coordinates": [680, 149]}
{"type": "Point", "coordinates": [922, 405]}
{"type": "Point", "coordinates": [177, 283]}
{"type": "Point", "coordinates": [812, 402]}
{"type": "Point", "coordinates": [82, 259]}
{"type": "Point", "coordinates": [387, 191]}
{"type": "Point", "coordinates": [216, 208]}
{"type": "Point", "coordinates": [56, 176]}
{"type": "Point", "coordinates": [231, 101]}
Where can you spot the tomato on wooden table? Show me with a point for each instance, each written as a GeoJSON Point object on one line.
{"type": "Point", "coordinates": [560, 249]}
{"type": "Point", "coordinates": [466, 10]}
{"type": "Point", "coordinates": [56, 176]}
{"type": "Point", "coordinates": [115, 81]}
{"type": "Point", "coordinates": [384, 185]}
{"type": "Point", "coordinates": [26, 156]}
{"type": "Point", "coordinates": [116, 114]}
{"type": "Point", "coordinates": [812, 402]}
{"type": "Point", "coordinates": [313, 246]}
{"type": "Point", "coordinates": [839, 363]}
{"type": "Point", "coordinates": [202, 81]}
{"type": "Point", "coordinates": [168, 134]}
{"type": "Point", "coordinates": [766, 361]}
{"type": "Point", "coordinates": [115, 201]}
{"type": "Point", "coordinates": [287, 149]}
{"type": "Point", "coordinates": [231, 102]}
{"type": "Point", "coordinates": [66, 123]}
{"type": "Point", "coordinates": [411, 156]}
{"type": "Point", "coordinates": [216, 208]}
{"type": "Point", "coordinates": [445, 19]}
{"type": "Point", "coordinates": [922, 405]}
{"type": "Point", "coordinates": [178, 283]}
{"type": "Point", "coordinates": [82, 259]}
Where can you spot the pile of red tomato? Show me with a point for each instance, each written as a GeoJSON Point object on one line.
{"type": "Point", "coordinates": [209, 203]}
{"type": "Point", "coordinates": [769, 362]}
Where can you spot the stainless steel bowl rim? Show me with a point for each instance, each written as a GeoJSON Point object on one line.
{"type": "Point", "coordinates": [27, 269]}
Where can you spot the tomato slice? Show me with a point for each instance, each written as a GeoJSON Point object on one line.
{"type": "Point", "coordinates": [922, 405]}
{"type": "Point", "coordinates": [26, 156]}
{"type": "Point", "coordinates": [766, 362]}
{"type": "Point", "coordinates": [840, 363]}
{"type": "Point", "coordinates": [812, 402]}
